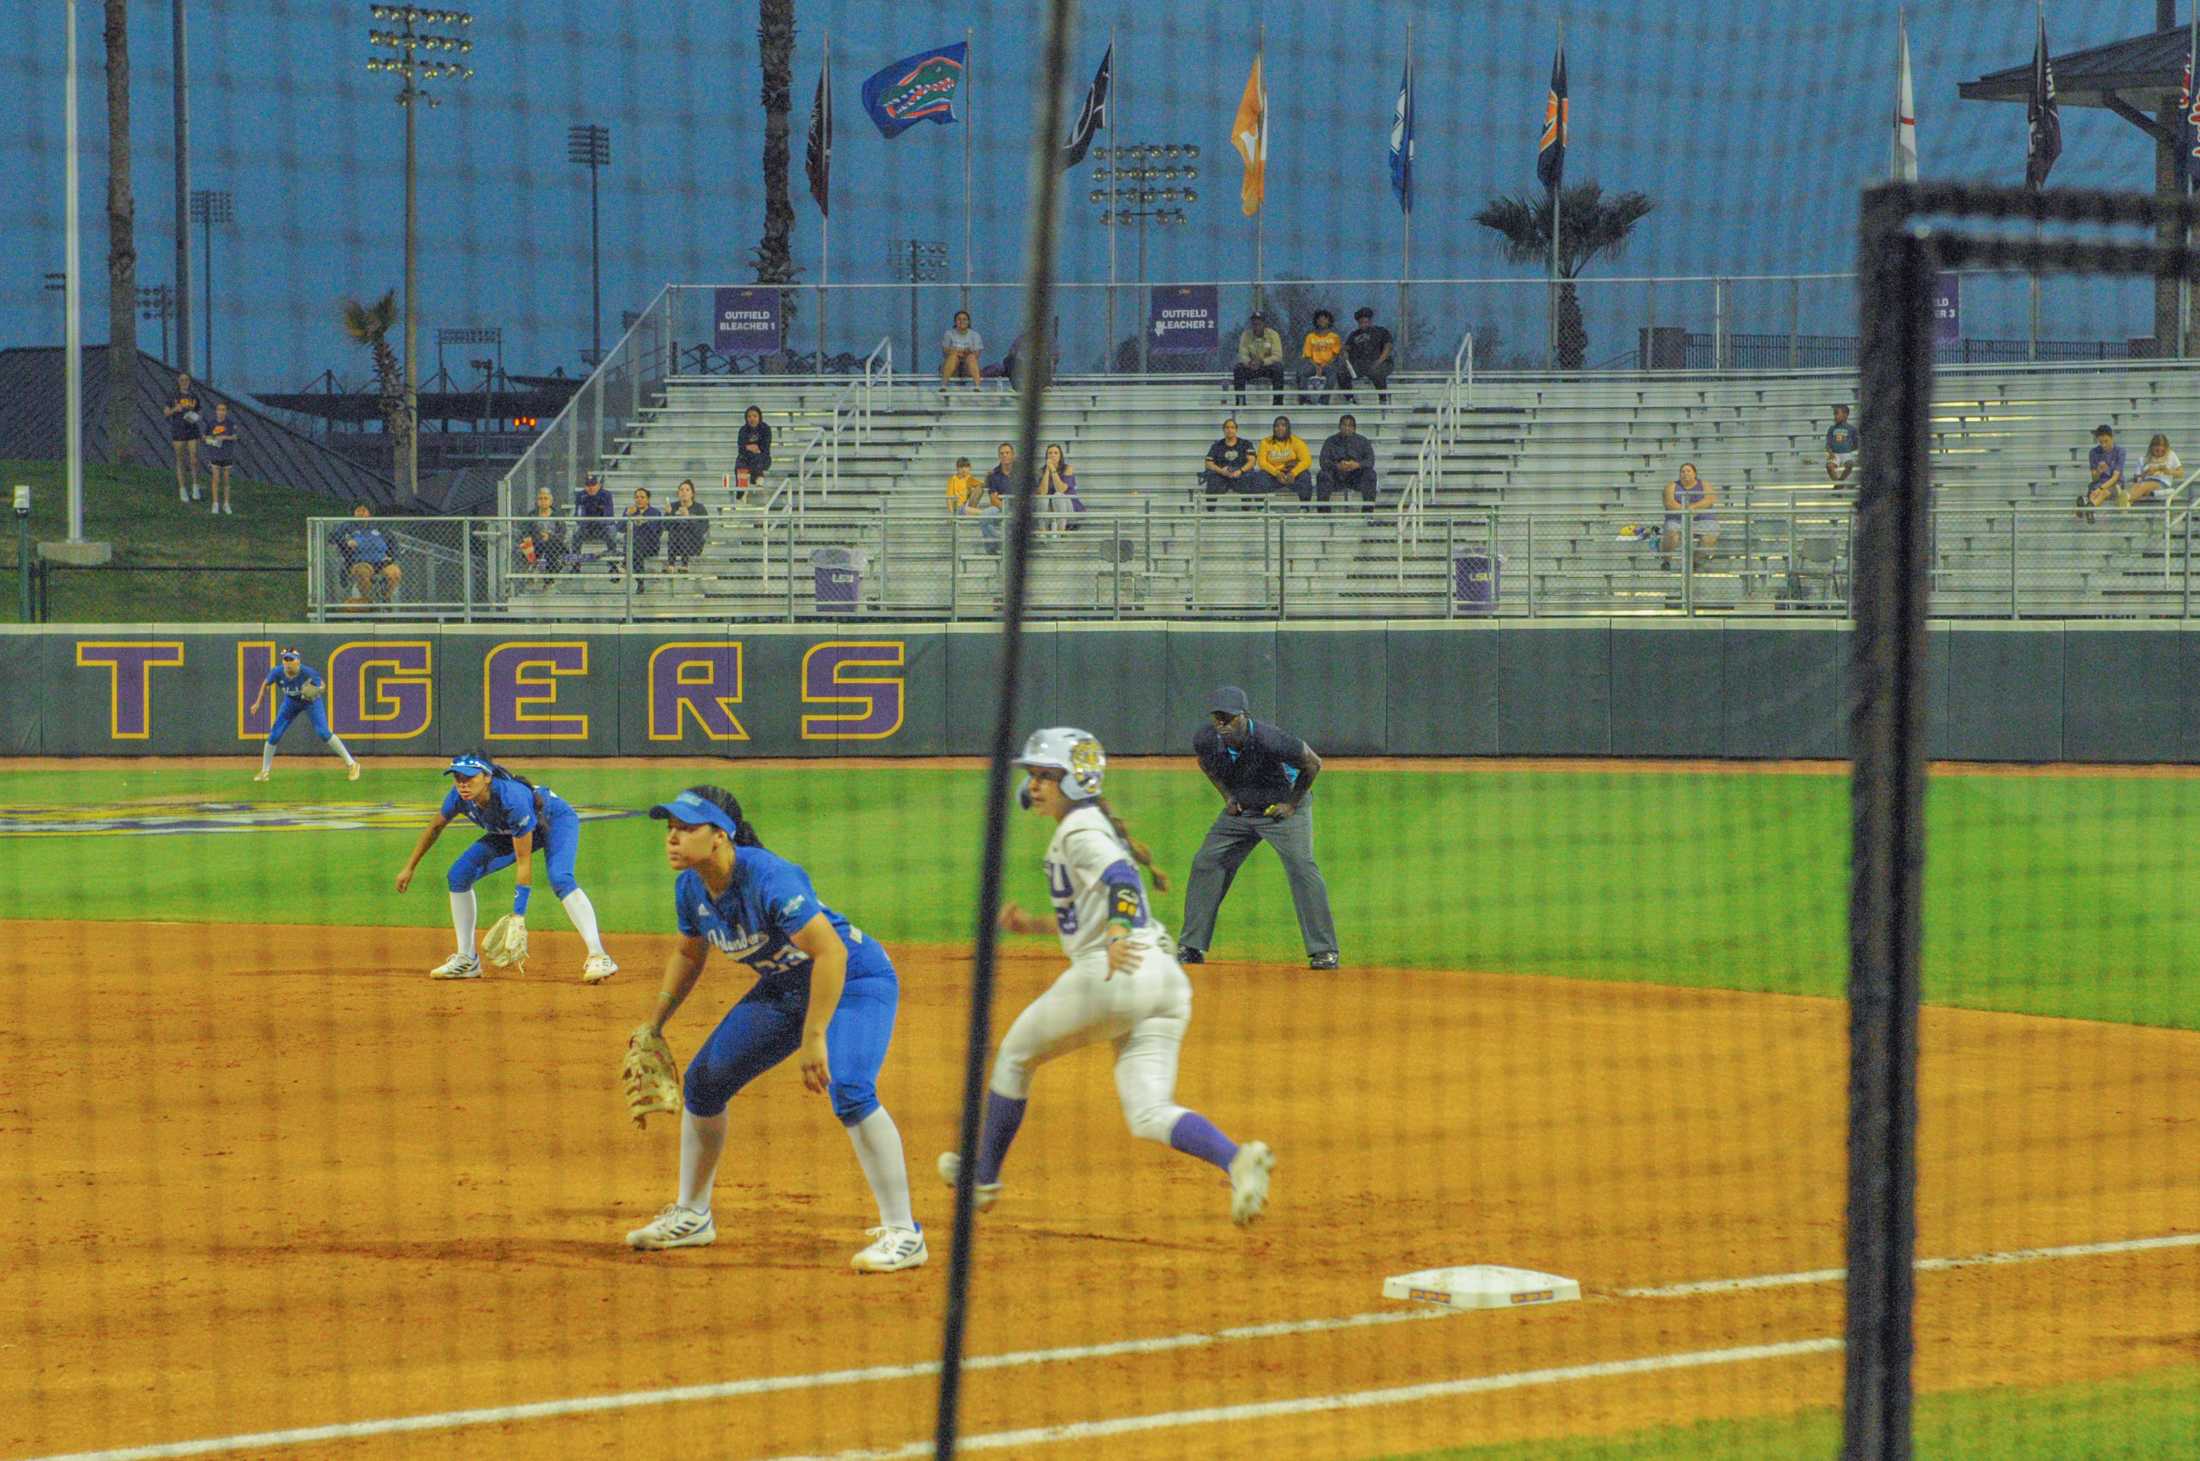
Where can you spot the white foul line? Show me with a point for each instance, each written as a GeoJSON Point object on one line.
{"type": "Point", "coordinates": [1160, 1344]}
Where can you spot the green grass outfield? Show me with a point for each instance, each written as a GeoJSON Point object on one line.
{"type": "Point", "coordinates": [2140, 1418]}
{"type": "Point", "coordinates": [2052, 895]}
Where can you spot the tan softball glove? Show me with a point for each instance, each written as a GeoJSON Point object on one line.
{"type": "Point", "coordinates": [506, 942]}
{"type": "Point", "coordinates": [651, 1077]}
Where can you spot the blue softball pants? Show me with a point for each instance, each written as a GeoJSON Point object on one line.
{"type": "Point", "coordinates": [765, 1027]}
{"type": "Point", "coordinates": [557, 843]}
{"type": "Point", "coordinates": [290, 710]}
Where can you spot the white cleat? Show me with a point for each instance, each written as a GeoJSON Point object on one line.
{"type": "Point", "coordinates": [983, 1196]}
{"type": "Point", "coordinates": [675, 1227]}
{"type": "Point", "coordinates": [351, 772]}
{"type": "Point", "coordinates": [261, 777]}
{"type": "Point", "coordinates": [891, 1249]}
{"type": "Point", "coordinates": [598, 968]}
{"type": "Point", "coordinates": [1249, 1171]}
{"type": "Point", "coordinates": [457, 966]}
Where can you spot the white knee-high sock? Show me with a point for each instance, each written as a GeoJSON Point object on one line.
{"type": "Point", "coordinates": [583, 914]}
{"type": "Point", "coordinates": [336, 744]}
{"type": "Point", "coordinates": [878, 1148]}
{"type": "Point", "coordinates": [702, 1139]}
{"type": "Point", "coordinates": [267, 756]}
{"type": "Point", "coordinates": [462, 919]}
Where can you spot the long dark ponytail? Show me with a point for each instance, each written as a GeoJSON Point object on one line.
{"type": "Point", "coordinates": [1139, 850]}
{"type": "Point", "coordinates": [719, 797]}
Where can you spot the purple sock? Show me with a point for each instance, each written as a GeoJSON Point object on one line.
{"type": "Point", "coordinates": [1196, 1136]}
{"type": "Point", "coordinates": [1003, 1114]}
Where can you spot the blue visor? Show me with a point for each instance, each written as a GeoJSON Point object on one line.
{"type": "Point", "coordinates": [693, 810]}
{"type": "Point", "coordinates": [290, 654]}
{"type": "Point", "coordinates": [468, 766]}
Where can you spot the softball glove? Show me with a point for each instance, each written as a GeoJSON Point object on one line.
{"type": "Point", "coordinates": [312, 692]}
{"type": "Point", "coordinates": [506, 942]}
{"type": "Point", "coordinates": [651, 1078]}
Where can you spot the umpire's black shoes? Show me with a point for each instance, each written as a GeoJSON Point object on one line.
{"type": "Point", "coordinates": [1191, 956]}
{"type": "Point", "coordinates": [1322, 961]}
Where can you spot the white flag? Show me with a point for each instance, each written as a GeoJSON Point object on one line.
{"type": "Point", "coordinates": [1904, 169]}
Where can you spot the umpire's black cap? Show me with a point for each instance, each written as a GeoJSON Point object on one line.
{"type": "Point", "coordinates": [1230, 700]}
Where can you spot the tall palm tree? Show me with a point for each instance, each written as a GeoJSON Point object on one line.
{"type": "Point", "coordinates": [774, 257]}
{"type": "Point", "coordinates": [369, 325]}
{"type": "Point", "coordinates": [122, 352]}
{"type": "Point", "coordinates": [1591, 224]}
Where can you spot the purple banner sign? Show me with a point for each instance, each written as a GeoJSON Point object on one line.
{"type": "Point", "coordinates": [745, 321]}
{"type": "Point", "coordinates": [1947, 308]}
{"type": "Point", "coordinates": [1184, 319]}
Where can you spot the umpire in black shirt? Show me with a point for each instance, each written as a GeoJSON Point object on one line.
{"type": "Point", "coordinates": [1265, 775]}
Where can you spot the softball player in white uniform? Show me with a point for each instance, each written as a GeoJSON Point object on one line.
{"type": "Point", "coordinates": [1123, 983]}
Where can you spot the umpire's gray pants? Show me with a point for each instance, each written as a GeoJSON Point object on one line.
{"type": "Point", "coordinates": [1229, 842]}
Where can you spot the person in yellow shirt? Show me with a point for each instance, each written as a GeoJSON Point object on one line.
{"type": "Point", "coordinates": [1322, 352]}
{"type": "Point", "coordinates": [1285, 463]}
{"type": "Point", "coordinates": [970, 495]}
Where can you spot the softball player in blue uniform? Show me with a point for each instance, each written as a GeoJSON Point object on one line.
{"type": "Point", "coordinates": [299, 688]}
{"type": "Point", "coordinates": [1123, 984]}
{"type": "Point", "coordinates": [825, 993]}
{"type": "Point", "coordinates": [517, 820]}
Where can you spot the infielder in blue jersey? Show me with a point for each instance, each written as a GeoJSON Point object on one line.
{"type": "Point", "coordinates": [518, 819]}
{"type": "Point", "coordinates": [299, 688]}
{"type": "Point", "coordinates": [825, 993]}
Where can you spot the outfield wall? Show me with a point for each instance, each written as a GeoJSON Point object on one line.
{"type": "Point", "coordinates": [2083, 691]}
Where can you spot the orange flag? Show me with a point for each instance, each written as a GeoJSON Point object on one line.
{"type": "Point", "coordinates": [1249, 134]}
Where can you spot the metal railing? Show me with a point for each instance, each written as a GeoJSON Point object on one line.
{"type": "Point", "coordinates": [1437, 443]}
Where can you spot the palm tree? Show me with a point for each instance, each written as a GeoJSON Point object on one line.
{"type": "Point", "coordinates": [774, 257]}
{"type": "Point", "coordinates": [1592, 224]}
{"type": "Point", "coordinates": [370, 324]}
{"type": "Point", "coordinates": [122, 352]}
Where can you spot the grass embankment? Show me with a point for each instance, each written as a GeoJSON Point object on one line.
{"type": "Point", "coordinates": [135, 509]}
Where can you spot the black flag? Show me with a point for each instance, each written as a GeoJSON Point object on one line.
{"type": "Point", "coordinates": [819, 164]}
{"type": "Point", "coordinates": [1550, 154]}
{"type": "Point", "coordinates": [2043, 120]}
{"type": "Point", "coordinates": [1093, 115]}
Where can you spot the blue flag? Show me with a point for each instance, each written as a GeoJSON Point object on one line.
{"type": "Point", "coordinates": [919, 88]}
{"type": "Point", "coordinates": [1401, 141]}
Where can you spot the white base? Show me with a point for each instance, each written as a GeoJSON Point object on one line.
{"type": "Point", "coordinates": [1481, 1286]}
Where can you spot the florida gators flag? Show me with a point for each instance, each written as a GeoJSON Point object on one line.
{"type": "Point", "coordinates": [1249, 134]}
{"type": "Point", "coordinates": [919, 88]}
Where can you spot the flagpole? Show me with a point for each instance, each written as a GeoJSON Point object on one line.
{"type": "Point", "coordinates": [1115, 168]}
{"type": "Point", "coordinates": [2039, 51]}
{"type": "Point", "coordinates": [1260, 215]}
{"type": "Point", "coordinates": [2184, 172]}
{"type": "Point", "coordinates": [825, 213]}
{"type": "Point", "coordinates": [970, 122]}
{"type": "Point", "coordinates": [1405, 248]}
{"type": "Point", "coordinates": [1558, 187]}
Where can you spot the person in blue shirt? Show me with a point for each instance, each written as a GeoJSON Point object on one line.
{"type": "Point", "coordinates": [370, 562]}
{"type": "Point", "coordinates": [1842, 445]}
{"type": "Point", "coordinates": [517, 819]}
{"type": "Point", "coordinates": [298, 689]}
{"type": "Point", "coordinates": [825, 993]}
{"type": "Point", "coordinates": [595, 509]}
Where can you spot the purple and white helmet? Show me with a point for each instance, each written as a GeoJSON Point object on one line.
{"type": "Point", "coordinates": [1073, 752]}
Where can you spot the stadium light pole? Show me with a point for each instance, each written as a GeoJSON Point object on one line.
{"type": "Point", "coordinates": [158, 302]}
{"type": "Point", "coordinates": [590, 146]}
{"type": "Point", "coordinates": [209, 207]}
{"type": "Point", "coordinates": [407, 42]}
{"type": "Point", "coordinates": [917, 261]}
{"type": "Point", "coordinates": [1132, 170]}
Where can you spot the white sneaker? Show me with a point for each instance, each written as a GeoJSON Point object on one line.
{"type": "Point", "coordinates": [891, 1249]}
{"type": "Point", "coordinates": [598, 968]}
{"type": "Point", "coordinates": [261, 777]}
{"type": "Point", "coordinates": [983, 1196]}
{"type": "Point", "coordinates": [182, 495]}
{"type": "Point", "coordinates": [457, 966]}
{"type": "Point", "coordinates": [195, 493]}
{"type": "Point", "coordinates": [351, 771]}
{"type": "Point", "coordinates": [1249, 1181]}
{"type": "Point", "coordinates": [675, 1227]}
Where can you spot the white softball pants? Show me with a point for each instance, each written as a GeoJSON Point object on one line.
{"type": "Point", "coordinates": [1144, 1013]}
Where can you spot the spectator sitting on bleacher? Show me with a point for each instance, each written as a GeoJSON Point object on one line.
{"type": "Point", "coordinates": [1841, 447]}
{"type": "Point", "coordinates": [756, 453]}
{"type": "Point", "coordinates": [1323, 352]}
{"type": "Point", "coordinates": [1348, 463]}
{"type": "Point", "coordinates": [684, 538]}
{"type": "Point", "coordinates": [542, 540]}
{"type": "Point", "coordinates": [594, 508]}
{"type": "Point", "coordinates": [1686, 497]}
{"type": "Point", "coordinates": [1228, 460]}
{"type": "Point", "coordinates": [2105, 470]}
{"type": "Point", "coordinates": [1259, 357]}
{"type": "Point", "coordinates": [1000, 489]}
{"type": "Point", "coordinates": [1057, 489]}
{"type": "Point", "coordinates": [648, 531]}
{"type": "Point", "coordinates": [1367, 349]}
{"type": "Point", "coordinates": [1285, 462]}
{"type": "Point", "coordinates": [369, 560]}
{"type": "Point", "coordinates": [959, 349]}
{"type": "Point", "coordinates": [2158, 473]}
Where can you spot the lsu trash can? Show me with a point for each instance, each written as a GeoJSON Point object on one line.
{"type": "Point", "coordinates": [1474, 582]}
{"type": "Point", "coordinates": [839, 578]}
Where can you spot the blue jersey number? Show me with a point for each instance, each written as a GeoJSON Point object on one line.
{"type": "Point", "coordinates": [1058, 885]}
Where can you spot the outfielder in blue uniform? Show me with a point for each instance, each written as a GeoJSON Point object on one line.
{"type": "Point", "coordinates": [518, 819]}
{"type": "Point", "coordinates": [825, 992]}
{"type": "Point", "coordinates": [298, 690]}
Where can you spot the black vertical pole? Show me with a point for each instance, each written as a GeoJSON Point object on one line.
{"type": "Point", "coordinates": [1887, 808]}
{"type": "Point", "coordinates": [206, 321]}
{"type": "Point", "coordinates": [595, 254]}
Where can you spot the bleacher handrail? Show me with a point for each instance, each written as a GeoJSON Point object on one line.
{"type": "Point", "coordinates": [1436, 443]}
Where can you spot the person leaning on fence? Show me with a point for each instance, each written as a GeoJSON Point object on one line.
{"type": "Point", "coordinates": [542, 537]}
{"type": "Point", "coordinates": [755, 457]}
{"type": "Point", "coordinates": [1259, 357]}
{"type": "Point", "coordinates": [960, 346]}
{"type": "Point", "coordinates": [1689, 499]}
{"type": "Point", "coordinates": [2158, 473]}
{"type": "Point", "coordinates": [1228, 460]}
{"type": "Point", "coordinates": [689, 526]}
{"type": "Point", "coordinates": [369, 560]}
{"type": "Point", "coordinates": [2104, 471]}
{"type": "Point", "coordinates": [1285, 463]}
{"type": "Point", "coordinates": [594, 508]}
{"type": "Point", "coordinates": [1348, 464]}
{"type": "Point", "coordinates": [1368, 350]}
{"type": "Point", "coordinates": [1842, 445]}
{"type": "Point", "coordinates": [1322, 354]}
{"type": "Point", "coordinates": [645, 522]}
